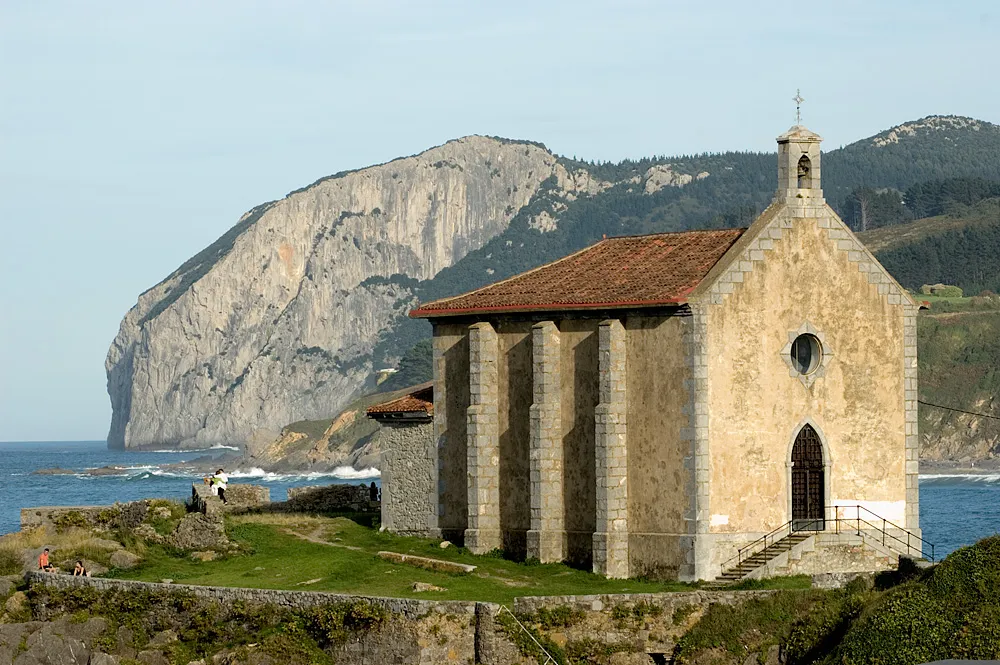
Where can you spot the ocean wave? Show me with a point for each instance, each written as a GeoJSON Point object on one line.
{"type": "Point", "coordinates": [340, 473]}
{"type": "Point", "coordinates": [145, 472]}
{"type": "Point", "coordinates": [960, 477]}
{"type": "Point", "coordinates": [192, 450]}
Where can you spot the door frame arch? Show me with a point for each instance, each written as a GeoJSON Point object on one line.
{"type": "Point", "coordinates": [827, 465]}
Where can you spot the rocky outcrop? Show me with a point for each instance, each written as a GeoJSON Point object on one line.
{"type": "Point", "coordinates": [276, 322]}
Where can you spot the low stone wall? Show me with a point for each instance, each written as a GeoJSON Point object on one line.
{"type": "Point", "coordinates": [417, 632]}
{"type": "Point", "coordinates": [239, 497]}
{"type": "Point", "coordinates": [127, 515]}
{"type": "Point", "coordinates": [332, 499]}
{"type": "Point", "coordinates": [435, 631]}
{"type": "Point", "coordinates": [668, 601]}
{"type": "Point", "coordinates": [406, 607]}
{"type": "Point", "coordinates": [247, 496]}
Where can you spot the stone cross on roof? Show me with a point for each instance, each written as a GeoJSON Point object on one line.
{"type": "Point", "coordinates": [798, 99]}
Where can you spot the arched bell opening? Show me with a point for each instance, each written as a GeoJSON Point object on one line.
{"type": "Point", "coordinates": [804, 171]}
{"type": "Point", "coordinates": [808, 481]}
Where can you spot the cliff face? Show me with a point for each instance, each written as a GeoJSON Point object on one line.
{"type": "Point", "coordinates": [276, 321]}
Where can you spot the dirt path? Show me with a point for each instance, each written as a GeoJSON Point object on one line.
{"type": "Point", "coordinates": [315, 537]}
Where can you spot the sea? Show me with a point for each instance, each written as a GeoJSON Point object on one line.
{"type": "Point", "coordinates": [142, 475]}
{"type": "Point", "coordinates": [955, 510]}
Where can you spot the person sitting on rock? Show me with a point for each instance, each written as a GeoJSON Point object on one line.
{"type": "Point", "coordinates": [219, 483]}
{"type": "Point", "coordinates": [79, 570]}
{"type": "Point", "coordinates": [43, 562]}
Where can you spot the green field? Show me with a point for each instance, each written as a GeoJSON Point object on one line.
{"type": "Point", "coordinates": [340, 556]}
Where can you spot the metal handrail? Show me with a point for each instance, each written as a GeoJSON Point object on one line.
{"type": "Point", "coordinates": [763, 539]}
{"type": "Point", "coordinates": [922, 543]}
{"type": "Point", "coordinates": [795, 526]}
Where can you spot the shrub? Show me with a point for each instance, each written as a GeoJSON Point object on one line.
{"type": "Point", "coordinates": [10, 561]}
{"type": "Point", "coordinates": [561, 616]}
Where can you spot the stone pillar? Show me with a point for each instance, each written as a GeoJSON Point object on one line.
{"type": "Point", "coordinates": [611, 455]}
{"type": "Point", "coordinates": [912, 433]}
{"type": "Point", "coordinates": [547, 536]}
{"type": "Point", "coordinates": [483, 532]}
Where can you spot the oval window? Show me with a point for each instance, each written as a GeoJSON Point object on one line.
{"type": "Point", "coordinates": [807, 353]}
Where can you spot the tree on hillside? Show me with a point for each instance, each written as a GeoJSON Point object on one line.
{"type": "Point", "coordinates": [866, 208]}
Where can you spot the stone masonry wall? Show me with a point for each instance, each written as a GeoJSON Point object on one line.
{"type": "Point", "coordinates": [330, 499]}
{"type": "Point", "coordinates": [94, 517]}
{"type": "Point", "coordinates": [433, 632]}
{"type": "Point", "coordinates": [409, 497]}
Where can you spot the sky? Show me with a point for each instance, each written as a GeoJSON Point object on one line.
{"type": "Point", "coordinates": [132, 134]}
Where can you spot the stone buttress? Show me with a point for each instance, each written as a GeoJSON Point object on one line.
{"type": "Point", "coordinates": [611, 455]}
{"type": "Point", "coordinates": [547, 536]}
{"type": "Point", "coordinates": [483, 532]}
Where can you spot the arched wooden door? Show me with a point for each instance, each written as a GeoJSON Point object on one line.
{"type": "Point", "coordinates": [807, 481]}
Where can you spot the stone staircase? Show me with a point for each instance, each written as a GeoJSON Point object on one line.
{"type": "Point", "coordinates": [786, 548]}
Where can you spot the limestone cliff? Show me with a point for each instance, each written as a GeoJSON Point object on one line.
{"type": "Point", "coordinates": [277, 320]}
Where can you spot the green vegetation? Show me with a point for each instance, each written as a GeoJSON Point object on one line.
{"type": "Point", "coordinates": [807, 623]}
{"type": "Point", "coordinates": [416, 366]}
{"type": "Point", "coordinates": [952, 611]}
{"type": "Point", "coordinates": [634, 616]}
{"type": "Point", "coordinates": [521, 634]}
{"type": "Point", "coordinates": [205, 627]}
{"type": "Point", "coordinates": [344, 560]}
{"type": "Point", "coordinates": [10, 562]}
{"type": "Point", "coordinates": [949, 611]}
{"type": "Point", "coordinates": [960, 364]}
{"type": "Point", "coordinates": [964, 254]}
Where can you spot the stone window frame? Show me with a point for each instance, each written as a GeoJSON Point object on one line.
{"type": "Point", "coordinates": [826, 353]}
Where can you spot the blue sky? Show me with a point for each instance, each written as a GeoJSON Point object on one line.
{"type": "Point", "coordinates": [132, 134]}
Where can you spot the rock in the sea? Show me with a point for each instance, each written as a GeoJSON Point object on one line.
{"type": "Point", "coordinates": [55, 471]}
{"type": "Point", "coordinates": [124, 560]}
{"type": "Point", "coordinates": [108, 471]}
{"type": "Point", "coordinates": [277, 321]}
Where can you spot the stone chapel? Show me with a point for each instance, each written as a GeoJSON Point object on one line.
{"type": "Point", "coordinates": [655, 405]}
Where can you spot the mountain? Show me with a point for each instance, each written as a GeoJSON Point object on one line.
{"type": "Point", "coordinates": [288, 315]}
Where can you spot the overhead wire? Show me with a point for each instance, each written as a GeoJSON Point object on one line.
{"type": "Point", "coordinates": [950, 408]}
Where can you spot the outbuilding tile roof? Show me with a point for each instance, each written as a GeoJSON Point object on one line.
{"type": "Point", "coordinates": [419, 401]}
{"type": "Point", "coordinates": [630, 271]}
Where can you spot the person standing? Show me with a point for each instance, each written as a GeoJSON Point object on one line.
{"type": "Point", "coordinates": [219, 482]}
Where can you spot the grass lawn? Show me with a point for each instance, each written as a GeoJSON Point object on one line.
{"type": "Point", "coordinates": [344, 560]}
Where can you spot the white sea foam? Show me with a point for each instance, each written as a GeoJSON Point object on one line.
{"type": "Point", "coordinates": [216, 447]}
{"type": "Point", "coordinates": [253, 473]}
{"type": "Point", "coordinates": [973, 477]}
{"type": "Point", "coordinates": [340, 473]}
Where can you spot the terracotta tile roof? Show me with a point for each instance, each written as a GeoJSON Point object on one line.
{"type": "Point", "coordinates": [631, 271]}
{"type": "Point", "coordinates": [420, 401]}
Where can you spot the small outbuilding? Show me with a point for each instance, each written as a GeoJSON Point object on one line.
{"type": "Point", "coordinates": [408, 460]}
